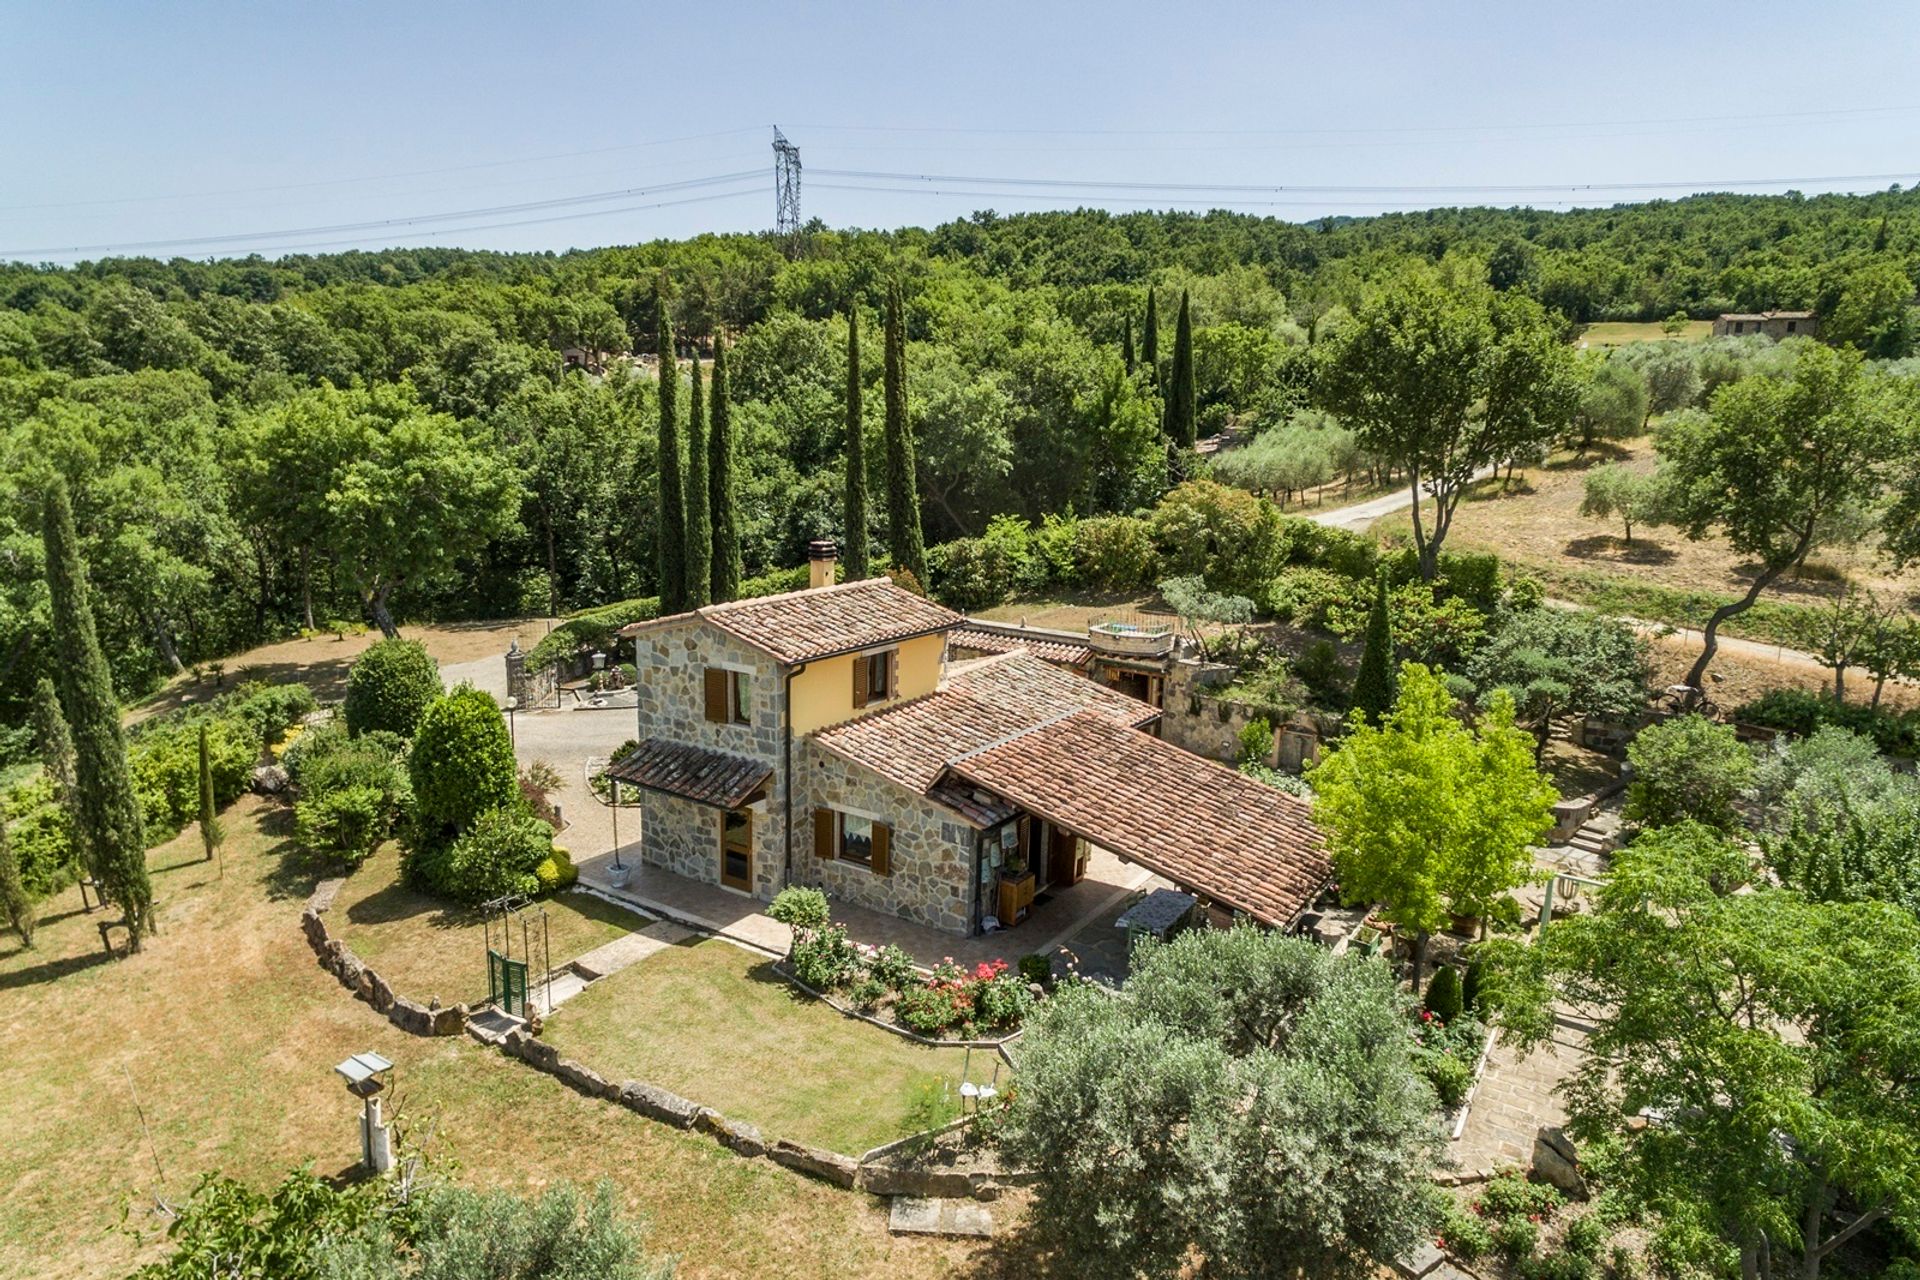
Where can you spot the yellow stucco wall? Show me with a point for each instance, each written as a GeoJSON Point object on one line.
{"type": "Point", "coordinates": [823, 693]}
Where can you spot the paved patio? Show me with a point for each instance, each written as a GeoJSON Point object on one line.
{"type": "Point", "coordinates": [1515, 1098]}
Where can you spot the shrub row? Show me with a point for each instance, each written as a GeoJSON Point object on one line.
{"type": "Point", "coordinates": [1796, 711]}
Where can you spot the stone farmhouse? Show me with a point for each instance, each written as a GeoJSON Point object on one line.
{"type": "Point", "coordinates": [824, 737]}
{"type": "Point", "coordinates": [1775, 324]}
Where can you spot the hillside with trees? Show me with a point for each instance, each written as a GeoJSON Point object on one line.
{"type": "Point", "coordinates": [255, 447]}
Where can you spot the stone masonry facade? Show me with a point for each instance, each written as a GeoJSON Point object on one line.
{"type": "Point", "coordinates": [932, 850]}
{"type": "Point", "coordinates": [677, 834]}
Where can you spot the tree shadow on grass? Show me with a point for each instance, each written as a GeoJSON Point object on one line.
{"type": "Point", "coordinates": [395, 902]}
{"type": "Point", "coordinates": [1603, 451]}
{"type": "Point", "coordinates": [1604, 546]}
{"type": "Point", "coordinates": [50, 970]}
{"type": "Point", "coordinates": [1496, 488]}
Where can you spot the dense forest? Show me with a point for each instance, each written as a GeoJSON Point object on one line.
{"type": "Point", "coordinates": [257, 446]}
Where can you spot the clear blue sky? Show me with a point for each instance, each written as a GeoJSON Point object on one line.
{"type": "Point", "coordinates": [147, 121]}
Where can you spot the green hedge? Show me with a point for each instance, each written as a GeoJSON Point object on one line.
{"type": "Point", "coordinates": [1798, 712]}
{"type": "Point", "coordinates": [164, 753]}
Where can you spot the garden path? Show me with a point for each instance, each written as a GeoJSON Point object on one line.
{"type": "Point", "coordinates": [1515, 1098]}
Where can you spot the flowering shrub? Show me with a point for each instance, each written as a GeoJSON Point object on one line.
{"type": "Point", "coordinates": [893, 967]}
{"type": "Point", "coordinates": [823, 958]}
{"type": "Point", "coordinates": [929, 1009]}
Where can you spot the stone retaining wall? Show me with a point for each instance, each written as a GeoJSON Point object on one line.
{"type": "Point", "coordinates": [874, 1172]}
{"type": "Point", "coordinates": [409, 1015]}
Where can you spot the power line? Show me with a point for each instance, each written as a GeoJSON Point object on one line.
{"type": "Point", "coordinates": [382, 177]}
{"type": "Point", "coordinates": [1091, 184]}
{"type": "Point", "coordinates": [272, 250]}
{"type": "Point", "coordinates": [1817, 113]}
{"type": "Point", "coordinates": [456, 215]}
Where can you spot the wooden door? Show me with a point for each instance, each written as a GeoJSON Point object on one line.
{"type": "Point", "coordinates": [1062, 857]}
{"type": "Point", "coordinates": [736, 849]}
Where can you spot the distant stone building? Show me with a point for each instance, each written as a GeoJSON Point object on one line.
{"type": "Point", "coordinates": [1775, 324]}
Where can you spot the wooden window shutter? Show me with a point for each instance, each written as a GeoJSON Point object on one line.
{"type": "Point", "coordinates": [716, 695]}
{"type": "Point", "coordinates": [859, 680]}
{"type": "Point", "coordinates": [823, 833]}
{"type": "Point", "coordinates": [882, 849]}
{"type": "Point", "coordinates": [893, 673]}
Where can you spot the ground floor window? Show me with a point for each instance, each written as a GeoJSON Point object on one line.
{"type": "Point", "coordinates": [853, 837]}
{"type": "Point", "coordinates": [736, 848]}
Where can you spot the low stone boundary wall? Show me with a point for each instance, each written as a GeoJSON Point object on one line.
{"type": "Point", "coordinates": [409, 1015]}
{"type": "Point", "coordinates": [873, 1172]}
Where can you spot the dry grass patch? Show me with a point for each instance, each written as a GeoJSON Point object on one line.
{"type": "Point", "coordinates": [320, 661]}
{"type": "Point", "coordinates": [426, 946]}
{"type": "Point", "coordinates": [714, 1023]}
{"type": "Point", "coordinates": [224, 1032]}
{"type": "Point", "coordinates": [1617, 333]}
{"type": "Point", "coordinates": [1537, 524]}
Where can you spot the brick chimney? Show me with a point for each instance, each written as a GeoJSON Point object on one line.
{"type": "Point", "coordinates": [822, 557]}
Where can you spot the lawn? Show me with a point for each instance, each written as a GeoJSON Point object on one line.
{"type": "Point", "coordinates": [219, 1040]}
{"type": "Point", "coordinates": [712, 1022]}
{"type": "Point", "coordinates": [425, 946]}
{"type": "Point", "coordinates": [1619, 333]}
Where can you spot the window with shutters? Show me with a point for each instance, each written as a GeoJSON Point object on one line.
{"type": "Point", "coordinates": [729, 696]}
{"type": "Point", "coordinates": [852, 837]}
{"type": "Point", "coordinates": [875, 677]}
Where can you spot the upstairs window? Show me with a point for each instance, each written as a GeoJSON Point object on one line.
{"type": "Point", "coordinates": [876, 677]}
{"type": "Point", "coordinates": [729, 696]}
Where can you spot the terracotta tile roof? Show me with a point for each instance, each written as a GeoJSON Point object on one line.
{"type": "Point", "coordinates": [692, 773]}
{"type": "Point", "coordinates": [1203, 826]}
{"type": "Point", "coordinates": [1053, 649]}
{"type": "Point", "coordinates": [978, 703]}
{"type": "Point", "coordinates": [1023, 685]}
{"type": "Point", "coordinates": [800, 625]}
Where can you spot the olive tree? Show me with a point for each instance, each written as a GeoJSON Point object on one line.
{"type": "Point", "coordinates": [1247, 1098]}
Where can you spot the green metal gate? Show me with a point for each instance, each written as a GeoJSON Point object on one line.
{"type": "Point", "coordinates": [507, 983]}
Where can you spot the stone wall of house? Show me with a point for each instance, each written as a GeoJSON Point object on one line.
{"type": "Point", "coordinates": [671, 703]}
{"type": "Point", "coordinates": [1198, 719]}
{"type": "Point", "coordinates": [931, 850]}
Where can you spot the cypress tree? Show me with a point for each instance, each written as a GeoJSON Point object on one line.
{"type": "Point", "coordinates": [672, 492]}
{"type": "Point", "coordinates": [1126, 343]}
{"type": "Point", "coordinates": [726, 527]}
{"type": "Point", "coordinates": [55, 740]}
{"type": "Point", "coordinates": [904, 538]}
{"type": "Point", "coordinates": [210, 832]}
{"type": "Point", "coordinates": [13, 894]}
{"type": "Point", "coordinates": [1150, 340]}
{"type": "Point", "coordinates": [699, 515]}
{"type": "Point", "coordinates": [105, 812]}
{"type": "Point", "coordinates": [856, 519]}
{"type": "Point", "coordinates": [1181, 409]}
{"type": "Point", "coordinates": [1376, 684]}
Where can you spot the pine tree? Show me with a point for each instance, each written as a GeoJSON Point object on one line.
{"type": "Point", "coordinates": [725, 575]}
{"type": "Point", "coordinates": [1376, 685]}
{"type": "Point", "coordinates": [1150, 340]}
{"type": "Point", "coordinates": [13, 894]}
{"type": "Point", "coordinates": [210, 831]}
{"type": "Point", "coordinates": [672, 492]}
{"type": "Point", "coordinates": [1126, 343]}
{"type": "Point", "coordinates": [904, 538]}
{"type": "Point", "coordinates": [699, 514]}
{"type": "Point", "coordinates": [1181, 410]}
{"type": "Point", "coordinates": [855, 512]}
{"type": "Point", "coordinates": [105, 812]}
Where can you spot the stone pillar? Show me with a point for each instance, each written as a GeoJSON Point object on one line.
{"type": "Point", "coordinates": [517, 686]}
